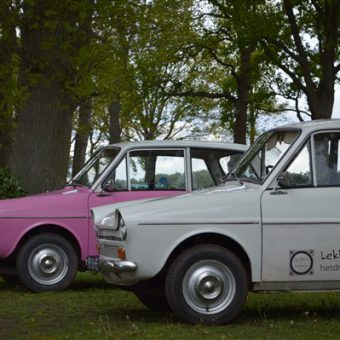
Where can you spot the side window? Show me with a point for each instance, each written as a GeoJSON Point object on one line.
{"type": "Point", "coordinates": [327, 162]}
{"type": "Point", "coordinates": [298, 173]}
{"type": "Point", "coordinates": [201, 177]}
{"type": "Point", "coordinates": [117, 181]}
{"type": "Point", "coordinates": [157, 170]}
{"type": "Point", "coordinates": [96, 166]}
{"type": "Point", "coordinates": [209, 166]}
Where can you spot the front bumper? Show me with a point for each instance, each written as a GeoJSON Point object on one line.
{"type": "Point", "coordinates": [117, 266]}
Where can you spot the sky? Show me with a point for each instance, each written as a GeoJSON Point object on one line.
{"type": "Point", "coordinates": [336, 110]}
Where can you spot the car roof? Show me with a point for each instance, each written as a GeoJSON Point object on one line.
{"type": "Point", "coordinates": [179, 144]}
{"type": "Point", "coordinates": [313, 125]}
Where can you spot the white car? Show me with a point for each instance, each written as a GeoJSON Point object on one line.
{"type": "Point", "coordinates": [274, 225]}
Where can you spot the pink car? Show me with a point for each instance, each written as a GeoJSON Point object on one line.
{"type": "Point", "coordinates": [45, 239]}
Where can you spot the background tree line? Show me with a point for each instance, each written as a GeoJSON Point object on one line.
{"type": "Point", "coordinates": [80, 72]}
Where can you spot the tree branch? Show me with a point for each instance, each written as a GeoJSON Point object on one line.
{"type": "Point", "coordinates": [299, 46]}
{"type": "Point", "coordinates": [204, 94]}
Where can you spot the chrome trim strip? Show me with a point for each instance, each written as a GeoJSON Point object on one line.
{"type": "Point", "coordinates": [200, 223]}
{"type": "Point", "coordinates": [43, 217]}
{"type": "Point", "coordinates": [300, 223]}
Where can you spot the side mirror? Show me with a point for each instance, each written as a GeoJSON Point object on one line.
{"type": "Point", "coordinates": [283, 182]}
{"type": "Point", "coordinates": [283, 179]}
{"type": "Point", "coordinates": [109, 186]}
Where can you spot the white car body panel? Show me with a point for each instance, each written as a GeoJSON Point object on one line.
{"type": "Point", "coordinates": [291, 236]}
{"type": "Point", "coordinates": [172, 229]}
{"type": "Point", "coordinates": [308, 235]}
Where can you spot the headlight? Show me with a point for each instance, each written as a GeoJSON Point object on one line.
{"type": "Point", "coordinates": [122, 228]}
{"type": "Point", "coordinates": [109, 222]}
{"type": "Point", "coordinates": [112, 227]}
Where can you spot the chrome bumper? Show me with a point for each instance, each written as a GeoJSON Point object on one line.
{"type": "Point", "coordinates": [117, 266]}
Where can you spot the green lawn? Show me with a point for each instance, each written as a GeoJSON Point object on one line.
{"type": "Point", "coordinates": [91, 309]}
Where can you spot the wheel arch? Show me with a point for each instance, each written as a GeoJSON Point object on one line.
{"type": "Point", "coordinates": [210, 238]}
{"type": "Point", "coordinates": [52, 229]}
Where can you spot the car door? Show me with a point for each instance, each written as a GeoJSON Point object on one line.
{"type": "Point", "coordinates": [301, 220]}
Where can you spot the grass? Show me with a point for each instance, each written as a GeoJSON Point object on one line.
{"type": "Point", "coordinates": [91, 309]}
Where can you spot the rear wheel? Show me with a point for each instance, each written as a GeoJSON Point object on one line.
{"type": "Point", "coordinates": [47, 262]}
{"type": "Point", "coordinates": [206, 284]}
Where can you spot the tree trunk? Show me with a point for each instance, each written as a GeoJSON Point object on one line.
{"type": "Point", "coordinates": [41, 146]}
{"type": "Point", "coordinates": [82, 136]}
{"type": "Point", "coordinates": [8, 46]}
{"type": "Point", "coordinates": [42, 139]}
{"type": "Point", "coordinates": [243, 79]}
{"type": "Point", "coordinates": [252, 126]}
{"type": "Point", "coordinates": [114, 128]}
{"type": "Point", "coordinates": [5, 136]}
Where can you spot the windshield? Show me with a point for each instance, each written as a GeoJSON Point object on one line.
{"type": "Point", "coordinates": [264, 155]}
{"type": "Point", "coordinates": [95, 166]}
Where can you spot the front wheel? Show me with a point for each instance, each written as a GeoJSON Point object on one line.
{"type": "Point", "coordinates": [206, 284]}
{"type": "Point", "coordinates": [47, 262]}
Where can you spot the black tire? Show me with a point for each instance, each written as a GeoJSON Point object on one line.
{"type": "Point", "coordinates": [206, 284]}
{"type": "Point", "coordinates": [47, 262]}
{"type": "Point", "coordinates": [153, 301]}
{"type": "Point", "coordinates": [10, 278]}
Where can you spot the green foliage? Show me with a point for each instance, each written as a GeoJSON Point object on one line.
{"type": "Point", "coordinates": [9, 185]}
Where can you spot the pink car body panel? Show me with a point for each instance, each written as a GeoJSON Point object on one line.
{"type": "Point", "coordinates": [67, 209]}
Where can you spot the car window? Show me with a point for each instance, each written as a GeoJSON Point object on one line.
{"type": "Point", "coordinates": [209, 166]}
{"type": "Point", "coordinates": [96, 166]}
{"type": "Point", "coordinates": [327, 161]}
{"type": "Point", "coordinates": [298, 173]}
{"type": "Point", "coordinates": [117, 180]}
{"type": "Point", "coordinates": [269, 148]}
{"type": "Point", "coordinates": [201, 177]}
{"type": "Point", "coordinates": [157, 170]}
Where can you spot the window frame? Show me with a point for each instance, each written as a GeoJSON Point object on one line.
{"type": "Point", "coordinates": [192, 149]}
{"type": "Point", "coordinates": [314, 158]}
{"type": "Point", "coordinates": [311, 138]}
{"type": "Point", "coordinates": [157, 149]}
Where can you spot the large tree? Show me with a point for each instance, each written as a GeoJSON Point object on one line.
{"type": "Point", "coordinates": [232, 63]}
{"type": "Point", "coordinates": [304, 42]}
{"type": "Point", "coordinates": [50, 38]}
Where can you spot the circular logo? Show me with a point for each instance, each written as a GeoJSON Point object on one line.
{"type": "Point", "coordinates": [301, 262]}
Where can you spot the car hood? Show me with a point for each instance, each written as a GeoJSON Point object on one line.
{"type": "Point", "coordinates": [68, 202]}
{"type": "Point", "coordinates": [223, 204]}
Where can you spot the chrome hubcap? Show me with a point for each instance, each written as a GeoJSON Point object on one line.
{"type": "Point", "coordinates": [209, 287]}
{"type": "Point", "coordinates": [48, 264]}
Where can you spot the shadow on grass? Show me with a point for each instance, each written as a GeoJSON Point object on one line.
{"type": "Point", "coordinates": [6, 286]}
{"type": "Point", "coordinates": [142, 314]}
{"type": "Point", "coordinates": [289, 313]}
{"type": "Point", "coordinates": [82, 283]}
{"type": "Point", "coordinates": [278, 308]}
